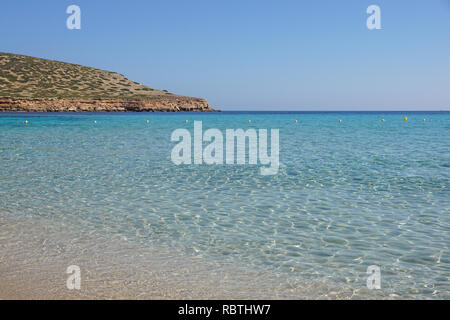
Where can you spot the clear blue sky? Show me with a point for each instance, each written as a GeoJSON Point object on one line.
{"type": "Point", "coordinates": [246, 54]}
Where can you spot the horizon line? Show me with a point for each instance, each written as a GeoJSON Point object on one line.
{"type": "Point", "coordinates": [445, 109]}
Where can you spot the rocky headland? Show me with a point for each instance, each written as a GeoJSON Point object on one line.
{"type": "Point", "coordinates": [29, 84]}
{"type": "Point", "coordinates": [151, 104]}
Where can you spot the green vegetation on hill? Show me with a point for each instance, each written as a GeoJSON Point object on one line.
{"type": "Point", "coordinates": [29, 77]}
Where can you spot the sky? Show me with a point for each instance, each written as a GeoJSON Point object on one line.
{"type": "Point", "coordinates": [252, 55]}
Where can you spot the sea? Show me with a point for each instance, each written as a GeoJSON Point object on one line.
{"type": "Point", "coordinates": [358, 209]}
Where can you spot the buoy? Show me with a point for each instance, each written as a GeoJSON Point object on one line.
{"type": "Point", "coordinates": [405, 119]}
{"type": "Point", "coordinates": [26, 121]}
{"type": "Point", "coordinates": [382, 120]}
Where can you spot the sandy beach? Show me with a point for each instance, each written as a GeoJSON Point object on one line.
{"type": "Point", "coordinates": [35, 254]}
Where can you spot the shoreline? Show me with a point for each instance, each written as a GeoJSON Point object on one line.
{"type": "Point", "coordinates": [33, 266]}
{"type": "Point", "coordinates": [169, 103]}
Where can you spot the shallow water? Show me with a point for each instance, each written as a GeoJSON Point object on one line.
{"type": "Point", "coordinates": [347, 195]}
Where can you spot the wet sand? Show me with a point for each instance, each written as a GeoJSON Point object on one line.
{"type": "Point", "coordinates": [35, 255]}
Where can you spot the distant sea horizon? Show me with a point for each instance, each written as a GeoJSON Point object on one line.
{"type": "Point", "coordinates": [331, 109]}
{"type": "Point", "coordinates": [236, 112]}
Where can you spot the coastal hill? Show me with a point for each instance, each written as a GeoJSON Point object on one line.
{"type": "Point", "coordinates": [35, 84]}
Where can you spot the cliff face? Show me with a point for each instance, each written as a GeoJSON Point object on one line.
{"type": "Point", "coordinates": [154, 104]}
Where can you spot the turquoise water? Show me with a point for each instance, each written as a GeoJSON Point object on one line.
{"type": "Point", "coordinates": [347, 195]}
